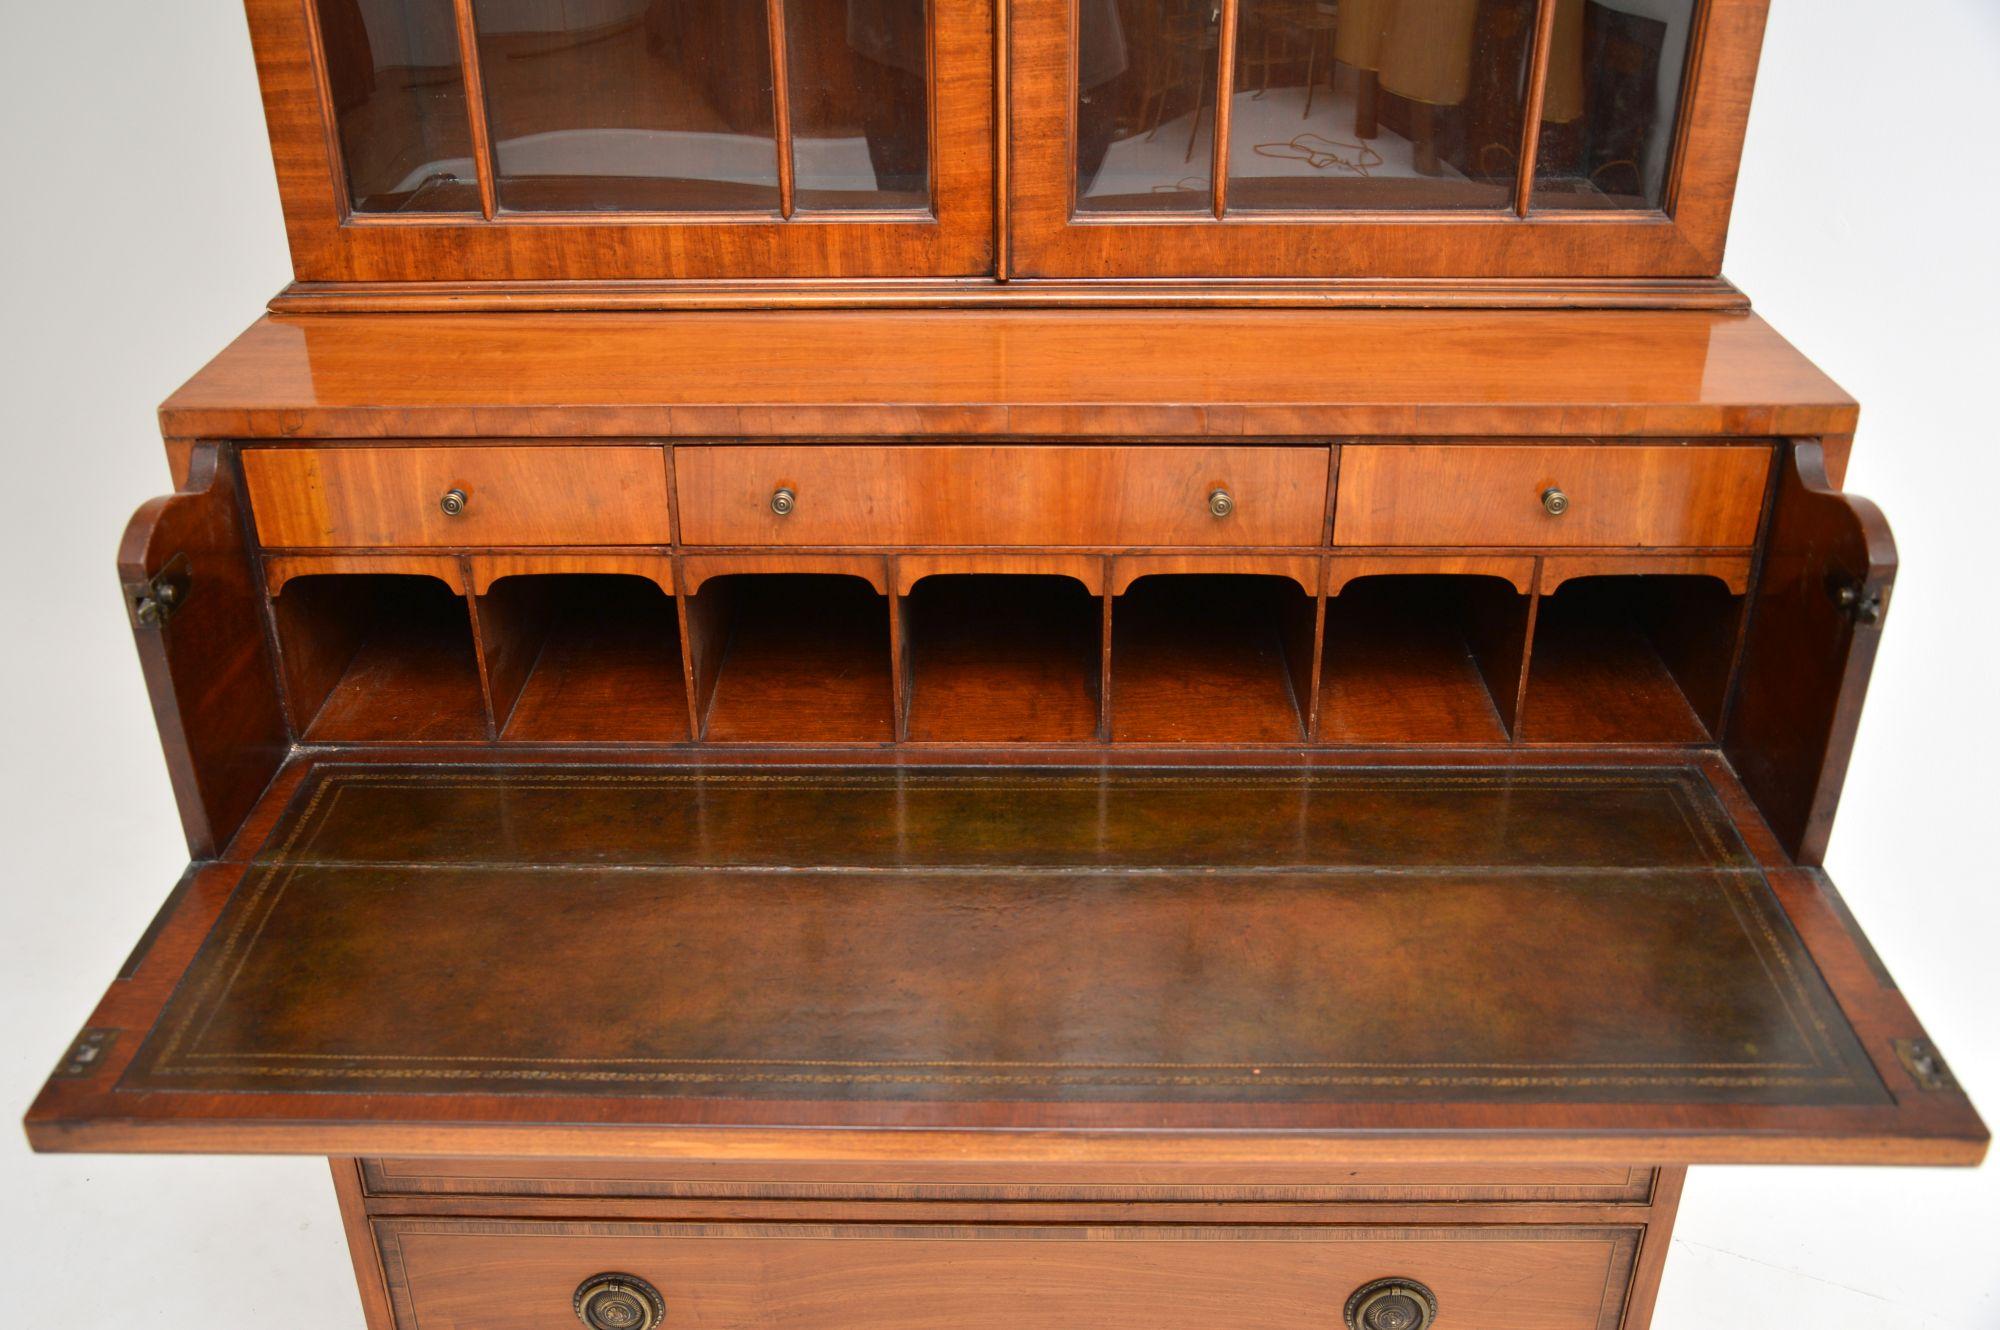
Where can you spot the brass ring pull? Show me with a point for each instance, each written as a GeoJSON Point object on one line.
{"type": "Point", "coordinates": [1391, 1304]}
{"type": "Point", "coordinates": [1554, 502]}
{"type": "Point", "coordinates": [453, 503]}
{"type": "Point", "coordinates": [783, 500]}
{"type": "Point", "coordinates": [1220, 504]}
{"type": "Point", "coordinates": [619, 1302]}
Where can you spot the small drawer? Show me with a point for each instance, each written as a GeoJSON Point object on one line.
{"type": "Point", "coordinates": [1021, 495]}
{"type": "Point", "coordinates": [1616, 495]}
{"type": "Point", "coordinates": [311, 498]}
{"type": "Point", "coordinates": [529, 1275]}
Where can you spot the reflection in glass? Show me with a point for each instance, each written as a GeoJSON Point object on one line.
{"type": "Point", "coordinates": [635, 105]}
{"type": "Point", "coordinates": [1146, 72]}
{"type": "Point", "coordinates": [399, 97]}
{"type": "Point", "coordinates": [1413, 104]}
{"type": "Point", "coordinates": [1615, 76]}
{"type": "Point", "coordinates": [859, 85]}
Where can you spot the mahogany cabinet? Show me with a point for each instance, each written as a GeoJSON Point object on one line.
{"type": "Point", "coordinates": [882, 664]}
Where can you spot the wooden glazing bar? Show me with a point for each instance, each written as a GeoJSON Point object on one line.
{"type": "Point", "coordinates": [781, 105]}
{"type": "Point", "coordinates": [1002, 143]}
{"type": "Point", "coordinates": [1225, 87]}
{"type": "Point", "coordinates": [1538, 88]}
{"type": "Point", "coordinates": [475, 109]}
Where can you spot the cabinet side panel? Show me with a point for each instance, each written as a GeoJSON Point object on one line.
{"type": "Point", "coordinates": [197, 617]}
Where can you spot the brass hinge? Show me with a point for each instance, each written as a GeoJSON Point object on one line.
{"type": "Point", "coordinates": [160, 597]}
{"type": "Point", "coordinates": [86, 1054]}
{"type": "Point", "coordinates": [1926, 1068]}
{"type": "Point", "coordinates": [1857, 600]}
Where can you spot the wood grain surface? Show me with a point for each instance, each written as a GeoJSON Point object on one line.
{"type": "Point", "coordinates": [1410, 494]}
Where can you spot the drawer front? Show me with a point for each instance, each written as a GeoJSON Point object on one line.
{"type": "Point", "coordinates": [967, 495]}
{"type": "Point", "coordinates": [1614, 495]}
{"type": "Point", "coordinates": [617, 1179]}
{"type": "Point", "coordinates": [523, 1275]}
{"type": "Point", "coordinates": [329, 497]}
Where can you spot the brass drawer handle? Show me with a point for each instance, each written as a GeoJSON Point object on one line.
{"type": "Point", "coordinates": [1554, 502]}
{"type": "Point", "coordinates": [1220, 504]}
{"type": "Point", "coordinates": [453, 503]}
{"type": "Point", "coordinates": [1391, 1304]}
{"type": "Point", "coordinates": [783, 500]}
{"type": "Point", "coordinates": [619, 1302]}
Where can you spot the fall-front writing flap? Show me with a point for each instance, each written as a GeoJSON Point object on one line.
{"type": "Point", "coordinates": [611, 958]}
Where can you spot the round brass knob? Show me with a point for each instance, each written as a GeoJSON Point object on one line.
{"type": "Point", "coordinates": [453, 503]}
{"type": "Point", "coordinates": [1220, 504]}
{"type": "Point", "coordinates": [619, 1302]}
{"type": "Point", "coordinates": [1391, 1304]}
{"type": "Point", "coordinates": [1554, 501]}
{"type": "Point", "coordinates": [783, 500]}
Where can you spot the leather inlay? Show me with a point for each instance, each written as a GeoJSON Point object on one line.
{"type": "Point", "coordinates": [1582, 935]}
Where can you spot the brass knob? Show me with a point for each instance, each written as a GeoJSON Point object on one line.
{"type": "Point", "coordinates": [1554, 502]}
{"type": "Point", "coordinates": [453, 503]}
{"type": "Point", "coordinates": [619, 1302]}
{"type": "Point", "coordinates": [783, 500]}
{"type": "Point", "coordinates": [1391, 1304]}
{"type": "Point", "coordinates": [1220, 504]}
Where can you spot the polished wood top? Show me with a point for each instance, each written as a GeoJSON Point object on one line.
{"type": "Point", "coordinates": [1037, 373]}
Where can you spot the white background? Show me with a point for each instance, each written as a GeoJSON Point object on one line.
{"type": "Point", "coordinates": [139, 232]}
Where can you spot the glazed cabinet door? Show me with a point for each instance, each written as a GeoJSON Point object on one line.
{"type": "Point", "coordinates": [479, 140]}
{"type": "Point", "coordinates": [1375, 138]}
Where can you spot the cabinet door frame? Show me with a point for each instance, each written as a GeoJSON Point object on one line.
{"type": "Point", "coordinates": [331, 243]}
{"type": "Point", "coordinates": [1050, 239]}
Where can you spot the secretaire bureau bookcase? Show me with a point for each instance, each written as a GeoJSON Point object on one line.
{"type": "Point", "coordinates": [891, 664]}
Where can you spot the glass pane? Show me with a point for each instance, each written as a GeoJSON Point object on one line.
{"type": "Point", "coordinates": [859, 75]}
{"type": "Point", "coordinates": [399, 98]}
{"type": "Point", "coordinates": [629, 105]}
{"type": "Point", "coordinates": [1378, 103]}
{"type": "Point", "coordinates": [1145, 116]}
{"type": "Point", "coordinates": [1614, 98]}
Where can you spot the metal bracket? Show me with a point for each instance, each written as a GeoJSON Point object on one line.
{"type": "Point", "coordinates": [161, 596]}
{"type": "Point", "coordinates": [1926, 1068]}
{"type": "Point", "coordinates": [86, 1055]}
{"type": "Point", "coordinates": [1859, 602]}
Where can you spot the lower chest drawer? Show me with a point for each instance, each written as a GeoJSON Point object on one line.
{"type": "Point", "coordinates": [316, 498]}
{"type": "Point", "coordinates": [470, 1274]}
{"type": "Point", "coordinates": [1010, 495]}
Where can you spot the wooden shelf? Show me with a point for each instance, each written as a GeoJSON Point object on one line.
{"type": "Point", "coordinates": [1630, 660]}
{"type": "Point", "coordinates": [606, 663]}
{"type": "Point", "coordinates": [1003, 659]}
{"type": "Point", "coordinates": [1400, 663]}
{"type": "Point", "coordinates": [1210, 659]}
{"type": "Point", "coordinates": [800, 658]}
{"type": "Point", "coordinates": [380, 658]}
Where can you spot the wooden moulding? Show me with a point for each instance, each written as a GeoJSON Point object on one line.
{"type": "Point", "coordinates": [1517, 570]}
{"type": "Point", "coordinates": [1732, 570]}
{"type": "Point", "coordinates": [280, 569]}
{"type": "Point", "coordinates": [1465, 293]}
{"type": "Point", "coordinates": [1085, 568]}
{"type": "Point", "coordinates": [490, 568]}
